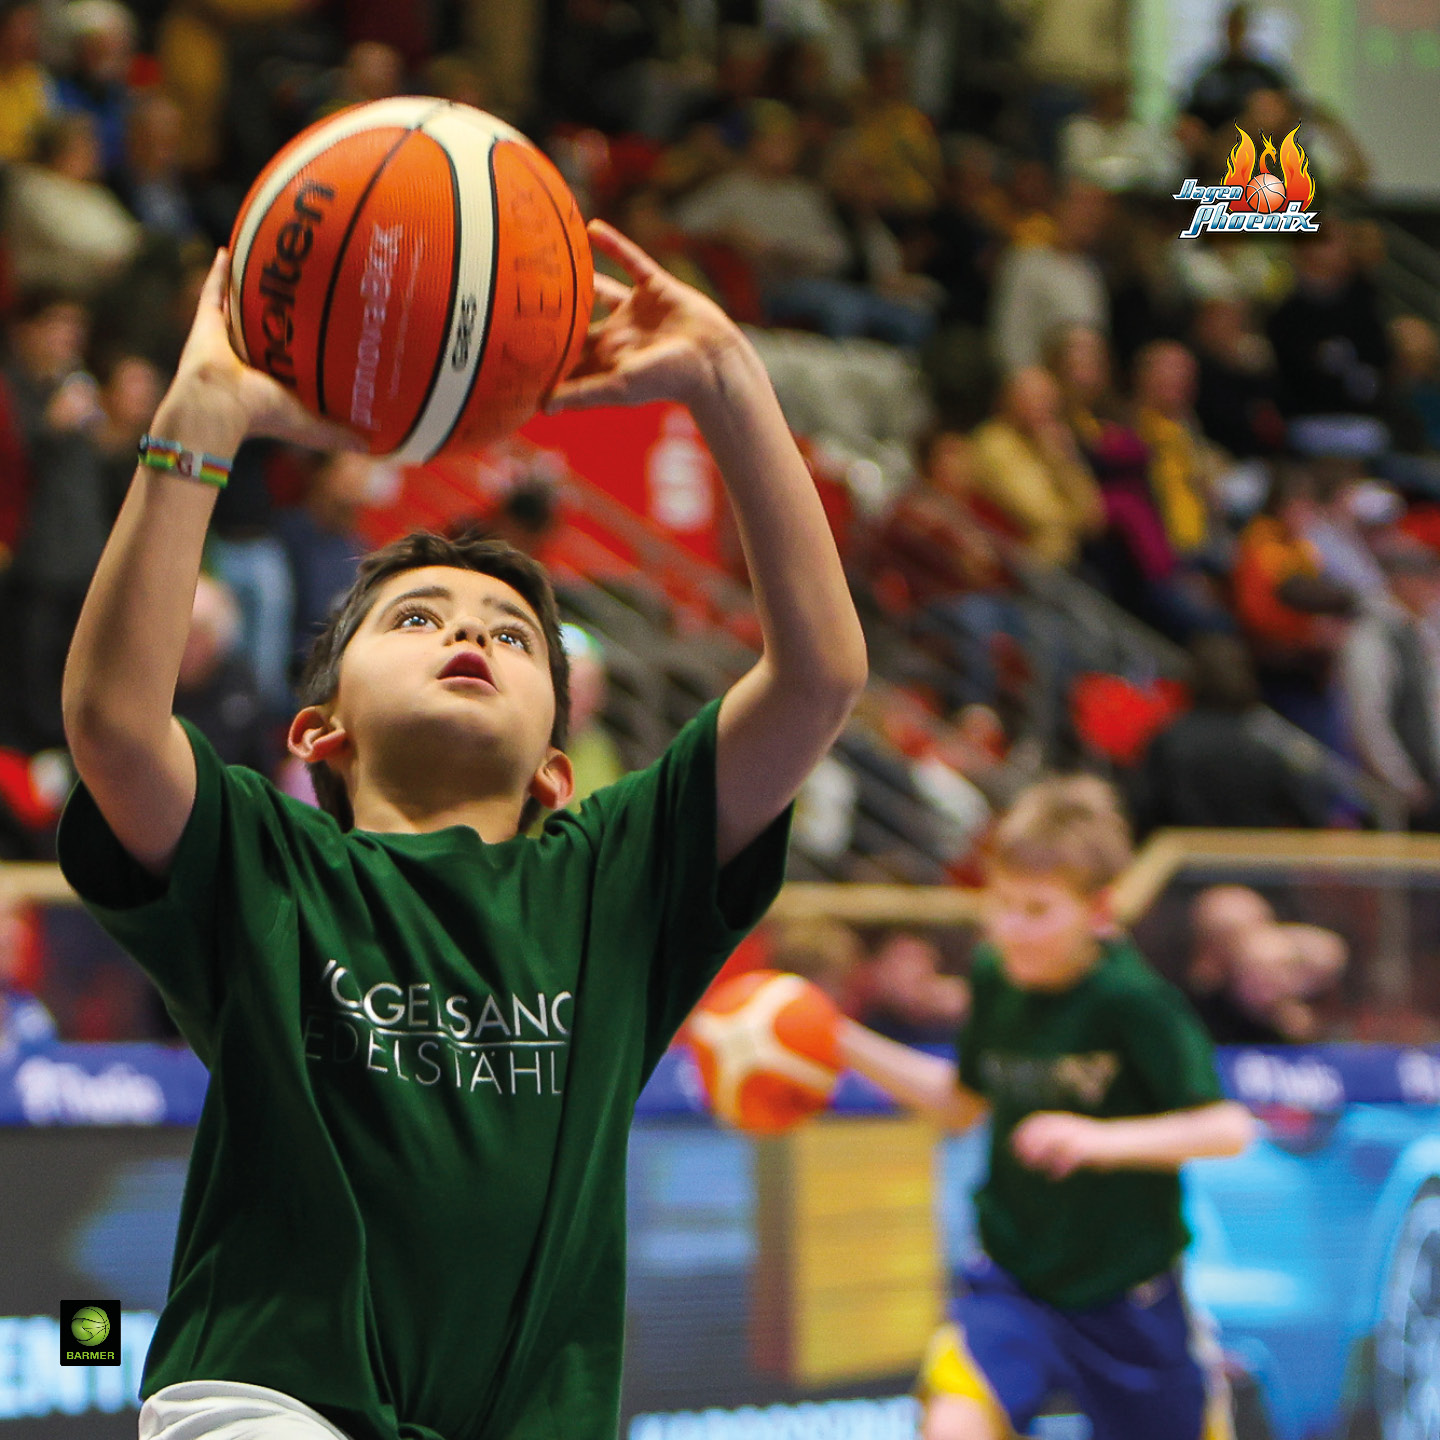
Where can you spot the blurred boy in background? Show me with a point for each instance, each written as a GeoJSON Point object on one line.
{"type": "Point", "coordinates": [1099, 1084]}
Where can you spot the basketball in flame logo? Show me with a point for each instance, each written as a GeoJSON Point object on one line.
{"type": "Point", "coordinates": [1252, 196]}
{"type": "Point", "coordinates": [1292, 184]}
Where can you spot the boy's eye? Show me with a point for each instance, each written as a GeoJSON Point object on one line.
{"type": "Point", "coordinates": [517, 637]}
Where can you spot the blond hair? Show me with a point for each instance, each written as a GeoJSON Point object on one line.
{"type": "Point", "coordinates": [1071, 826]}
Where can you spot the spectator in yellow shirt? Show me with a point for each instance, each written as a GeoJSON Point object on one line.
{"type": "Point", "coordinates": [27, 94]}
{"type": "Point", "coordinates": [898, 137]}
{"type": "Point", "coordinates": [1030, 470]}
{"type": "Point", "coordinates": [1183, 465]}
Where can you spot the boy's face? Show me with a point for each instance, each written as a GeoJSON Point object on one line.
{"type": "Point", "coordinates": [449, 667]}
{"type": "Point", "coordinates": [1043, 926]}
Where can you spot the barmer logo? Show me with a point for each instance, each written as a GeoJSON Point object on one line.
{"type": "Point", "coordinates": [89, 1332]}
{"type": "Point", "coordinates": [1250, 197]}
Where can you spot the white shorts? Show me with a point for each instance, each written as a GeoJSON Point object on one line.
{"type": "Point", "coordinates": [228, 1410]}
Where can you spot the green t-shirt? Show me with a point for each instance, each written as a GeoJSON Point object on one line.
{"type": "Point", "coordinates": [406, 1199]}
{"type": "Point", "coordinates": [1122, 1041]}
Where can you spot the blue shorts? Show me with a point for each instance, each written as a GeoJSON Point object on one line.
{"type": "Point", "coordinates": [1133, 1366]}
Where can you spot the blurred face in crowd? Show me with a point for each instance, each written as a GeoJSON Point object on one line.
{"type": "Point", "coordinates": [74, 150]}
{"type": "Point", "coordinates": [890, 75]}
{"type": "Point", "coordinates": [950, 464]}
{"type": "Point", "coordinates": [1081, 215]}
{"type": "Point", "coordinates": [1044, 927]}
{"type": "Point", "coordinates": [1083, 364]}
{"type": "Point", "coordinates": [52, 344]}
{"type": "Point", "coordinates": [1262, 971]}
{"type": "Point", "coordinates": [1110, 102]}
{"type": "Point", "coordinates": [1165, 378]}
{"type": "Point", "coordinates": [1222, 327]}
{"type": "Point", "coordinates": [132, 394]}
{"type": "Point", "coordinates": [743, 62]}
{"type": "Point", "coordinates": [1031, 187]}
{"type": "Point", "coordinates": [340, 490]}
{"type": "Point", "coordinates": [907, 979]}
{"type": "Point", "coordinates": [373, 71]}
{"type": "Point", "coordinates": [1032, 399]}
{"type": "Point", "coordinates": [154, 136]}
{"type": "Point", "coordinates": [1268, 112]}
{"type": "Point", "coordinates": [589, 686]}
{"type": "Point", "coordinates": [1220, 918]}
{"type": "Point", "coordinates": [20, 37]}
{"type": "Point", "coordinates": [214, 628]}
{"type": "Point", "coordinates": [1324, 261]}
{"type": "Point", "coordinates": [775, 149]}
{"type": "Point", "coordinates": [1418, 589]}
{"type": "Point", "coordinates": [856, 180]}
{"type": "Point", "coordinates": [1415, 345]}
{"type": "Point", "coordinates": [105, 51]}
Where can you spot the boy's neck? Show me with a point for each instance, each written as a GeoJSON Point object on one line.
{"type": "Point", "coordinates": [1080, 965]}
{"type": "Point", "coordinates": [494, 819]}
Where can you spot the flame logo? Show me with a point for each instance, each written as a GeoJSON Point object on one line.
{"type": "Point", "coordinates": [1294, 165]}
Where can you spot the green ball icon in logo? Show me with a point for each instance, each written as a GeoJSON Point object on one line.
{"type": "Point", "coordinates": [90, 1326]}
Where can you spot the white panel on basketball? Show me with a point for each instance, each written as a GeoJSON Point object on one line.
{"type": "Point", "coordinates": [407, 111]}
{"type": "Point", "coordinates": [475, 248]}
{"type": "Point", "coordinates": [488, 124]}
{"type": "Point", "coordinates": [743, 1041]}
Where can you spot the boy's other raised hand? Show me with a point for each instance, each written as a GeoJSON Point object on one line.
{"type": "Point", "coordinates": [662, 340]}
{"type": "Point", "coordinates": [1057, 1143]}
{"type": "Point", "coordinates": [215, 400]}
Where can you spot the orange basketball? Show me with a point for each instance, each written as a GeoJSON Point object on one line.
{"type": "Point", "coordinates": [1266, 193]}
{"type": "Point", "coordinates": [765, 1043]}
{"type": "Point", "coordinates": [415, 269]}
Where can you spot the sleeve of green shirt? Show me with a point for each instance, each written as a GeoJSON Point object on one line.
{"type": "Point", "coordinates": [668, 813]}
{"type": "Point", "coordinates": [170, 925]}
{"type": "Point", "coordinates": [1164, 1040]}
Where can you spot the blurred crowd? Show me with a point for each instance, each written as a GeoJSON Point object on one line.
{"type": "Point", "coordinates": [1235, 438]}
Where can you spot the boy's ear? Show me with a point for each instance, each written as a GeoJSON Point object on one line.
{"type": "Point", "coordinates": [553, 783]}
{"type": "Point", "coordinates": [316, 736]}
{"type": "Point", "coordinates": [1102, 912]}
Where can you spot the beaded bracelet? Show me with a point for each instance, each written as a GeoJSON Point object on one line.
{"type": "Point", "coordinates": [175, 459]}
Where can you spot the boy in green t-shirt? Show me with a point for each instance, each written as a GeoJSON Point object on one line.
{"type": "Point", "coordinates": [425, 1030]}
{"type": "Point", "coordinates": [1099, 1084]}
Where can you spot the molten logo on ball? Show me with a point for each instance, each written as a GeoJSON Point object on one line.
{"type": "Point", "coordinates": [281, 275]}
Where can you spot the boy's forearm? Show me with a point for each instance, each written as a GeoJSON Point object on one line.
{"type": "Point", "coordinates": [125, 656]}
{"type": "Point", "coordinates": [812, 634]}
{"type": "Point", "coordinates": [1166, 1142]}
{"type": "Point", "coordinates": [916, 1080]}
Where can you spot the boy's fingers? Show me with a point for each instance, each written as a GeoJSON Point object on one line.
{"type": "Point", "coordinates": [609, 241]}
{"type": "Point", "coordinates": [611, 291]}
{"type": "Point", "coordinates": [587, 393]}
{"type": "Point", "coordinates": [212, 293]}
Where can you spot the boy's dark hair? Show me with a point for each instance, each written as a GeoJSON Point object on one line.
{"type": "Point", "coordinates": [466, 551]}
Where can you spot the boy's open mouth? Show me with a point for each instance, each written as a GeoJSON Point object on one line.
{"type": "Point", "coordinates": [468, 665]}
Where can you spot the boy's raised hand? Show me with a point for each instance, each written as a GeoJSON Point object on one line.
{"type": "Point", "coordinates": [662, 339]}
{"type": "Point", "coordinates": [215, 400]}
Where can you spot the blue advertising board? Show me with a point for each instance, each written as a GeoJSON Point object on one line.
{"type": "Point", "coordinates": [1317, 1253]}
